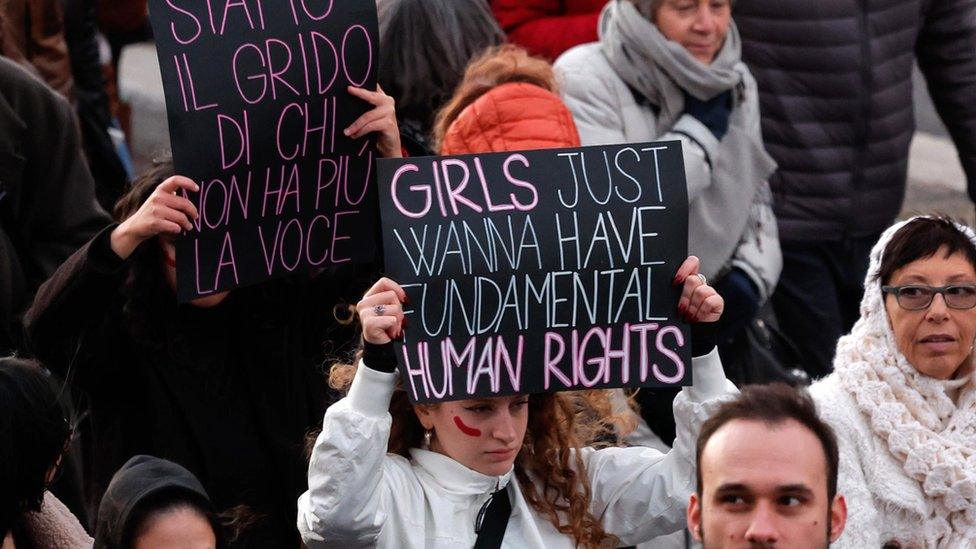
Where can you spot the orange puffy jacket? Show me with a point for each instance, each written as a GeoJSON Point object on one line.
{"type": "Point", "coordinates": [511, 117]}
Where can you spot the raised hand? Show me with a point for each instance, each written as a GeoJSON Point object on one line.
{"type": "Point", "coordinates": [699, 302]}
{"type": "Point", "coordinates": [381, 119]}
{"type": "Point", "coordinates": [381, 313]}
{"type": "Point", "coordinates": [164, 212]}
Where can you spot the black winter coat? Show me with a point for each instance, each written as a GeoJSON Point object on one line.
{"type": "Point", "coordinates": [229, 392]}
{"type": "Point", "coordinates": [47, 197]}
{"type": "Point", "coordinates": [835, 81]}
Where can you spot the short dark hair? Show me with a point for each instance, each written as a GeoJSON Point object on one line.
{"type": "Point", "coordinates": [33, 434]}
{"type": "Point", "coordinates": [922, 238]}
{"type": "Point", "coordinates": [425, 46]}
{"type": "Point", "coordinates": [773, 404]}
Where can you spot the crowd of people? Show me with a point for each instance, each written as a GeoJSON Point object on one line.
{"type": "Point", "coordinates": [271, 415]}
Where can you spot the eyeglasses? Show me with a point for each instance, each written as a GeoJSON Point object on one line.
{"type": "Point", "coordinates": [915, 297]}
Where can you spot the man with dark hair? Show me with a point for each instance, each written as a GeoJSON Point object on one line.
{"type": "Point", "coordinates": [767, 474]}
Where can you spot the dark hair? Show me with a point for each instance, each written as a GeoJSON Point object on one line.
{"type": "Point", "coordinates": [148, 305]}
{"type": "Point", "coordinates": [167, 501]}
{"type": "Point", "coordinates": [773, 404]}
{"type": "Point", "coordinates": [425, 45]}
{"type": "Point", "coordinates": [922, 238]}
{"type": "Point", "coordinates": [34, 432]}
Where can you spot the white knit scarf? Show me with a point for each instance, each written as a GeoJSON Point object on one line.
{"type": "Point", "coordinates": [932, 436]}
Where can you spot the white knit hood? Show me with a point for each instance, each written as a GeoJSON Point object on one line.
{"type": "Point", "coordinates": [932, 435]}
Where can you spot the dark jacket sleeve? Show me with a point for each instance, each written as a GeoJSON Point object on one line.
{"type": "Point", "coordinates": [946, 51]}
{"type": "Point", "coordinates": [59, 211]}
{"type": "Point", "coordinates": [92, 105]}
{"type": "Point", "coordinates": [76, 300]}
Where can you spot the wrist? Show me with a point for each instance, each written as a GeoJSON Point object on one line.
{"type": "Point", "coordinates": [379, 357]}
{"type": "Point", "coordinates": [122, 242]}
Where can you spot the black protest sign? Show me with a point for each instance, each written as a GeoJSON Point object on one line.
{"type": "Point", "coordinates": [538, 271]}
{"type": "Point", "coordinates": [257, 98]}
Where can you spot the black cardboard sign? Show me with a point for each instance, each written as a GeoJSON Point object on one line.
{"type": "Point", "coordinates": [538, 271]}
{"type": "Point", "coordinates": [257, 102]}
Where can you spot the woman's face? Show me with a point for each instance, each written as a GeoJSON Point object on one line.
{"type": "Point", "coordinates": [484, 435]}
{"type": "Point", "coordinates": [937, 341]}
{"type": "Point", "coordinates": [698, 25]}
{"type": "Point", "coordinates": [168, 245]}
{"type": "Point", "coordinates": [181, 528]}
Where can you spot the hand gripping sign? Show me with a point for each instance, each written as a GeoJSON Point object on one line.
{"type": "Point", "coordinates": [538, 271]}
{"type": "Point", "coordinates": [256, 93]}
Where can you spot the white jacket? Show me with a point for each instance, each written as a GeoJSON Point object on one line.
{"type": "Point", "coordinates": [884, 504]}
{"type": "Point", "coordinates": [360, 496]}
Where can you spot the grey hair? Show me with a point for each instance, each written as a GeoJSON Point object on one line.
{"type": "Point", "coordinates": [647, 7]}
{"type": "Point", "coordinates": [425, 45]}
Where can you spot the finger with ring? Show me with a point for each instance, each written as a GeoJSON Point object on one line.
{"type": "Point", "coordinates": [379, 310]}
{"type": "Point", "coordinates": [703, 279]}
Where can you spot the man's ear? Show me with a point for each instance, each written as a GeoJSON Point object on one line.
{"type": "Point", "coordinates": [838, 517]}
{"type": "Point", "coordinates": [694, 516]}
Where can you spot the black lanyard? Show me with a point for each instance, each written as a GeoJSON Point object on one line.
{"type": "Point", "coordinates": [493, 520]}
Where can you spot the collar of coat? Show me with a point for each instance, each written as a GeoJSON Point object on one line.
{"type": "Point", "coordinates": [455, 478]}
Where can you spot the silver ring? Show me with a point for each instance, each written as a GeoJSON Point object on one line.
{"type": "Point", "coordinates": [703, 279]}
{"type": "Point", "coordinates": [379, 310]}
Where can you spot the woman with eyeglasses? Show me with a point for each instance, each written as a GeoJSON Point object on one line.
{"type": "Point", "coordinates": [34, 436]}
{"type": "Point", "coordinates": [902, 397]}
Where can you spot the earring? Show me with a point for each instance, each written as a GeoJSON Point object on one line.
{"type": "Point", "coordinates": [427, 435]}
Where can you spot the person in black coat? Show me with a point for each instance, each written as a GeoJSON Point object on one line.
{"type": "Point", "coordinates": [91, 100]}
{"type": "Point", "coordinates": [226, 385]}
{"type": "Point", "coordinates": [47, 196]}
{"type": "Point", "coordinates": [835, 83]}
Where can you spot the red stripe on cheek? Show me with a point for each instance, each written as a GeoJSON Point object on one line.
{"type": "Point", "coordinates": [470, 431]}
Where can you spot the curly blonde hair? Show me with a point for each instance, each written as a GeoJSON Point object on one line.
{"type": "Point", "coordinates": [553, 480]}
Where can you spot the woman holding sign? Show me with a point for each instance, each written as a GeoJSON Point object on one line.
{"type": "Point", "coordinates": [514, 471]}
{"type": "Point", "coordinates": [226, 385]}
{"type": "Point", "coordinates": [672, 70]}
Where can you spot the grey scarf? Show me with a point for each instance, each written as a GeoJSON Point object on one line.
{"type": "Point", "coordinates": [660, 69]}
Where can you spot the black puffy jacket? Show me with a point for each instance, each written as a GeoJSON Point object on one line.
{"type": "Point", "coordinates": [835, 81]}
